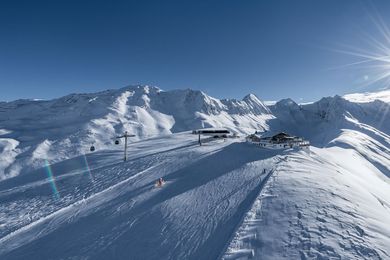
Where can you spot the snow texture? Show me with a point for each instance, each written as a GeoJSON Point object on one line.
{"type": "Point", "coordinates": [226, 199]}
{"type": "Point", "coordinates": [66, 127]}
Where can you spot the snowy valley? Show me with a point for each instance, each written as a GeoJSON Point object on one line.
{"type": "Point", "coordinates": [226, 199]}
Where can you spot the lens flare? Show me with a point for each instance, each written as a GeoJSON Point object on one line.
{"type": "Point", "coordinates": [51, 180]}
{"type": "Point", "coordinates": [88, 169]}
{"type": "Point", "coordinates": [374, 59]}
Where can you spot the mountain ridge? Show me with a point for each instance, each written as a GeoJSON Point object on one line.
{"type": "Point", "coordinates": [34, 131]}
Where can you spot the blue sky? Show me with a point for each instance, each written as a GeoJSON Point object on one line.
{"type": "Point", "coordinates": [275, 49]}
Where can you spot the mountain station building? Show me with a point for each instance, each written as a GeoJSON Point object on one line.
{"type": "Point", "coordinates": [280, 140]}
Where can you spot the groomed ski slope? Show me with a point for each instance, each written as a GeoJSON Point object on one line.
{"type": "Point", "coordinates": [218, 202]}
{"type": "Point", "coordinates": [115, 212]}
{"type": "Point", "coordinates": [327, 204]}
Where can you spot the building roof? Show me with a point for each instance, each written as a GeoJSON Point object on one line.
{"type": "Point", "coordinates": [212, 130]}
{"type": "Point", "coordinates": [270, 134]}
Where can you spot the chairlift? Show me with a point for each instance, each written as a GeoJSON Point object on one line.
{"type": "Point", "coordinates": [116, 141]}
{"type": "Point", "coordinates": [92, 148]}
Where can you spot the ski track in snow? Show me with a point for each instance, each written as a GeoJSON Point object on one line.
{"type": "Point", "coordinates": [123, 195]}
{"type": "Point", "coordinates": [331, 223]}
{"type": "Point", "coordinates": [244, 232]}
{"type": "Point", "coordinates": [70, 211]}
{"type": "Point", "coordinates": [215, 204]}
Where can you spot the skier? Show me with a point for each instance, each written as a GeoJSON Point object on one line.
{"type": "Point", "coordinates": [160, 182]}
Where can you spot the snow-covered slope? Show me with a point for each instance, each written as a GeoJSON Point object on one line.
{"type": "Point", "coordinates": [225, 199]}
{"type": "Point", "coordinates": [322, 121]}
{"type": "Point", "coordinates": [34, 131]}
{"type": "Point", "coordinates": [329, 204]}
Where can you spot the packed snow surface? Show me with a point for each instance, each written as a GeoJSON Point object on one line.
{"type": "Point", "coordinates": [329, 202]}
{"type": "Point", "coordinates": [114, 211]}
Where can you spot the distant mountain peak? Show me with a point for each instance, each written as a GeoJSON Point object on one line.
{"type": "Point", "coordinates": [286, 102]}
{"type": "Point", "coordinates": [251, 96]}
{"type": "Point", "coordinates": [72, 123]}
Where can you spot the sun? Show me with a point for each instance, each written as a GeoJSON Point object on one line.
{"type": "Point", "coordinates": [373, 60]}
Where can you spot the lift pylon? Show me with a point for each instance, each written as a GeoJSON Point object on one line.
{"type": "Point", "coordinates": [125, 135]}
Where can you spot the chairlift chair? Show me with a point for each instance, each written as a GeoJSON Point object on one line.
{"type": "Point", "coordinates": [92, 148]}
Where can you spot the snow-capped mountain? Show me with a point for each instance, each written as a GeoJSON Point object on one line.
{"type": "Point", "coordinates": [222, 200]}
{"type": "Point", "coordinates": [330, 113]}
{"type": "Point", "coordinates": [32, 131]}
{"type": "Point", "coordinates": [362, 126]}
{"type": "Point", "coordinates": [54, 130]}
